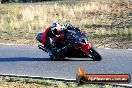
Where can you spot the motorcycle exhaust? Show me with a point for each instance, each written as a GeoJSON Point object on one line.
{"type": "Point", "coordinates": [42, 47]}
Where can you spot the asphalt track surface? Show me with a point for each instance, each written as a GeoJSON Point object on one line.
{"type": "Point", "coordinates": [30, 61]}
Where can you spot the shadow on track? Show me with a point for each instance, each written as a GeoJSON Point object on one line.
{"type": "Point", "coordinates": [71, 59]}
{"type": "Point", "coordinates": [14, 59]}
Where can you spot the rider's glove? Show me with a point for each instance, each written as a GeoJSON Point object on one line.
{"type": "Point", "coordinates": [60, 35]}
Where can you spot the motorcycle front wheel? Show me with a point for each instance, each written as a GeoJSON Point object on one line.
{"type": "Point", "coordinates": [94, 55]}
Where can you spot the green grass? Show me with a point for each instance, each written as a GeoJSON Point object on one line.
{"type": "Point", "coordinates": [39, 83]}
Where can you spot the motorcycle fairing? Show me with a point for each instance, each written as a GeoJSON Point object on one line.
{"type": "Point", "coordinates": [86, 47]}
{"type": "Point", "coordinates": [44, 34]}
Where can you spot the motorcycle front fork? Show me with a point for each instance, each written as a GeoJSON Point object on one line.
{"type": "Point", "coordinates": [90, 51]}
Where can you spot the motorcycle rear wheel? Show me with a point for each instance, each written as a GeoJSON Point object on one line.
{"type": "Point", "coordinates": [57, 57]}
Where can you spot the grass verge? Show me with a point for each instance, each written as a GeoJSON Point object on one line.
{"type": "Point", "coordinates": [21, 82]}
{"type": "Point", "coordinates": [107, 22]}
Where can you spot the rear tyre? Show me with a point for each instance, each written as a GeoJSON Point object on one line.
{"type": "Point", "coordinates": [57, 57]}
{"type": "Point", "coordinates": [94, 55]}
{"type": "Point", "coordinates": [53, 58]}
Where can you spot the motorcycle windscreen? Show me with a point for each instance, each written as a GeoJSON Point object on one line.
{"type": "Point", "coordinates": [81, 38]}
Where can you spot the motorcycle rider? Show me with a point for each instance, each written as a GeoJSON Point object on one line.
{"type": "Point", "coordinates": [52, 34]}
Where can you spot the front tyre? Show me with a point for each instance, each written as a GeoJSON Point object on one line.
{"type": "Point", "coordinates": [94, 55]}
